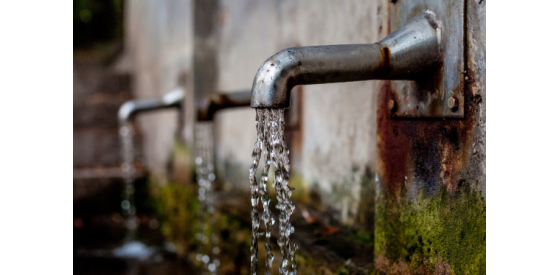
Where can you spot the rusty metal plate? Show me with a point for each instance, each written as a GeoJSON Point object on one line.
{"type": "Point", "coordinates": [439, 94]}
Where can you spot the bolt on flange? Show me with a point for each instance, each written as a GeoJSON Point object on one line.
{"type": "Point", "coordinates": [392, 106]}
{"type": "Point", "coordinates": [452, 103]}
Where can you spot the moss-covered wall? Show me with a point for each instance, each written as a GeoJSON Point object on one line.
{"type": "Point", "coordinates": [430, 203]}
{"type": "Point", "coordinates": [443, 232]}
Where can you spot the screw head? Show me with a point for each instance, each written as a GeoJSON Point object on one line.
{"type": "Point", "coordinates": [392, 105]}
{"type": "Point", "coordinates": [452, 103]}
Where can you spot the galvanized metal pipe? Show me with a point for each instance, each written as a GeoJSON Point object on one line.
{"type": "Point", "coordinates": [208, 106]}
{"type": "Point", "coordinates": [405, 54]}
{"type": "Point", "coordinates": [172, 99]}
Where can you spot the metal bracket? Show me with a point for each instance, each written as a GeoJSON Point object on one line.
{"type": "Point", "coordinates": [438, 95]}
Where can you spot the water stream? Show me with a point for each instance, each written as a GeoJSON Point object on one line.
{"type": "Point", "coordinates": [208, 249]}
{"type": "Point", "coordinates": [132, 248]}
{"type": "Point", "coordinates": [128, 173]}
{"type": "Point", "coordinates": [270, 139]}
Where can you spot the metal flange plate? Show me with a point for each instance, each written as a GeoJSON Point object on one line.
{"type": "Point", "coordinates": [439, 94]}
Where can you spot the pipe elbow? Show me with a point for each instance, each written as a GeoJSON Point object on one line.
{"type": "Point", "coordinates": [275, 79]}
{"type": "Point", "coordinates": [206, 109]}
{"type": "Point", "coordinates": [174, 97]}
{"type": "Point", "coordinates": [126, 111]}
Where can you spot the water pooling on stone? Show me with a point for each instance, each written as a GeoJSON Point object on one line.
{"type": "Point", "coordinates": [270, 138]}
{"type": "Point", "coordinates": [208, 249]}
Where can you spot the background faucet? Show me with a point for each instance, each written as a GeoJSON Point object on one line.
{"type": "Point", "coordinates": [172, 99]}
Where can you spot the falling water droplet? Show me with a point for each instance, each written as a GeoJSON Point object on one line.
{"type": "Point", "coordinates": [125, 205]}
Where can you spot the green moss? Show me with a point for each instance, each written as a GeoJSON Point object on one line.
{"type": "Point", "coordinates": [308, 266]}
{"type": "Point", "coordinates": [301, 188]}
{"type": "Point", "coordinates": [363, 236]}
{"type": "Point", "coordinates": [180, 166]}
{"type": "Point", "coordinates": [301, 191]}
{"type": "Point", "coordinates": [176, 206]}
{"type": "Point", "coordinates": [444, 227]}
{"type": "Point", "coordinates": [342, 271]}
{"type": "Point", "coordinates": [181, 148]}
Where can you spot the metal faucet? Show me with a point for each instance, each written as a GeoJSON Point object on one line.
{"type": "Point", "coordinates": [406, 54]}
{"type": "Point", "coordinates": [213, 103]}
{"type": "Point", "coordinates": [172, 99]}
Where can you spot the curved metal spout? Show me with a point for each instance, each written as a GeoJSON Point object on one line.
{"type": "Point", "coordinates": [208, 106]}
{"type": "Point", "coordinates": [173, 98]}
{"type": "Point", "coordinates": [404, 55]}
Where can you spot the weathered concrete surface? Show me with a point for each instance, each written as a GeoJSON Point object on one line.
{"type": "Point", "coordinates": [476, 64]}
{"type": "Point", "coordinates": [432, 177]}
{"type": "Point", "coordinates": [431, 152]}
{"type": "Point", "coordinates": [158, 53]}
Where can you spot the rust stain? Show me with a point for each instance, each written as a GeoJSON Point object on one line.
{"type": "Point", "coordinates": [436, 78]}
{"type": "Point", "coordinates": [385, 63]}
{"type": "Point", "coordinates": [392, 142]}
{"type": "Point", "coordinates": [432, 151]}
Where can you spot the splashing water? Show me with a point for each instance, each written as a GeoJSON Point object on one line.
{"type": "Point", "coordinates": [270, 138]}
{"type": "Point", "coordinates": [209, 249]}
{"type": "Point", "coordinates": [128, 173]}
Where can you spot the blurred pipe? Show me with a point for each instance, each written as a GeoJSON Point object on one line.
{"type": "Point", "coordinates": [213, 103]}
{"type": "Point", "coordinates": [172, 99]}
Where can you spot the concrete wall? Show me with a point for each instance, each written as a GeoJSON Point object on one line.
{"type": "Point", "coordinates": [430, 182]}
